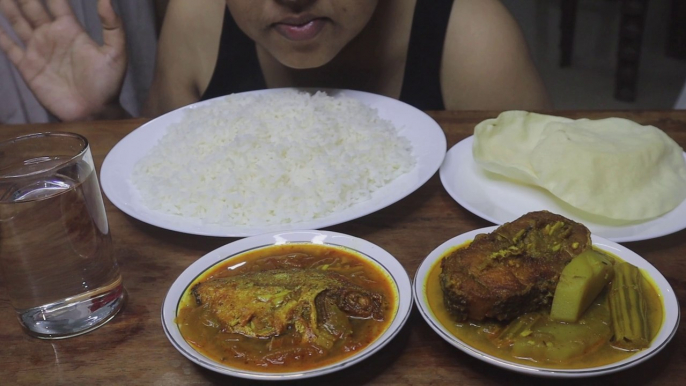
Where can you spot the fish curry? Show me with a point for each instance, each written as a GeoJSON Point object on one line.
{"type": "Point", "coordinates": [286, 308]}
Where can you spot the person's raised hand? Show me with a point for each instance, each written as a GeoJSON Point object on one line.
{"type": "Point", "coordinates": [70, 74]}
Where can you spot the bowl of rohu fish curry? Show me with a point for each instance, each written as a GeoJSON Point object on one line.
{"type": "Point", "coordinates": [535, 295]}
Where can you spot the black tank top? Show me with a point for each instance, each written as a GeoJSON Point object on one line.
{"type": "Point", "coordinates": [421, 83]}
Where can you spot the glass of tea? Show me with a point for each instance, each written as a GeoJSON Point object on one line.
{"type": "Point", "coordinates": [56, 255]}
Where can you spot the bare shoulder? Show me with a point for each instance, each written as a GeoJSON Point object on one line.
{"type": "Point", "coordinates": [186, 53]}
{"type": "Point", "coordinates": [486, 62]}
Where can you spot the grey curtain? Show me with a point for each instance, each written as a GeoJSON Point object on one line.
{"type": "Point", "coordinates": [17, 103]}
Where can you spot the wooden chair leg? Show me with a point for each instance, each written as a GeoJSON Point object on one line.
{"type": "Point", "coordinates": [633, 15]}
{"type": "Point", "coordinates": [567, 25]}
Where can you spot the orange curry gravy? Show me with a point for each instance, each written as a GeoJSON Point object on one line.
{"type": "Point", "coordinates": [286, 353]}
{"type": "Point", "coordinates": [479, 335]}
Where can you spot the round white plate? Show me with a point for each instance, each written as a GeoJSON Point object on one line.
{"type": "Point", "coordinates": [500, 200]}
{"type": "Point", "coordinates": [426, 136]}
{"type": "Point", "coordinates": [666, 333]}
{"type": "Point", "coordinates": [374, 253]}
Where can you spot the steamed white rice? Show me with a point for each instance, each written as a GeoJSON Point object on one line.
{"type": "Point", "coordinates": [274, 158]}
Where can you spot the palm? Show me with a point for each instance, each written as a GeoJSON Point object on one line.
{"type": "Point", "coordinates": [71, 75]}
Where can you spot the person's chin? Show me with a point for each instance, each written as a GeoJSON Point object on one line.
{"type": "Point", "coordinates": [305, 59]}
{"type": "Point", "coordinates": [304, 63]}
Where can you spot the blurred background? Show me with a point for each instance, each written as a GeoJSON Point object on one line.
{"type": "Point", "coordinates": [588, 82]}
{"type": "Point", "coordinates": [647, 37]}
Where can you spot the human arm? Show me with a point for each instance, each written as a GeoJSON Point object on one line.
{"type": "Point", "coordinates": [186, 54]}
{"type": "Point", "coordinates": [486, 64]}
{"type": "Point", "coordinates": [71, 75]}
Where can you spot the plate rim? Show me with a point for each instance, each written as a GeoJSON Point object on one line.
{"type": "Point", "coordinates": [464, 146]}
{"type": "Point", "coordinates": [111, 182]}
{"type": "Point", "coordinates": [396, 273]}
{"type": "Point", "coordinates": [667, 292]}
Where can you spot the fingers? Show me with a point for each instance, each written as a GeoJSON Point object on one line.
{"type": "Point", "coordinates": [16, 18]}
{"type": "Point", "coordinates": [59, 8]}
{"type": "Point", "coordinates": [12, 49]}
{"type": "Point", "coordinates": [112, 27]}
{"type": "Point", "coordinates": [35, 12]}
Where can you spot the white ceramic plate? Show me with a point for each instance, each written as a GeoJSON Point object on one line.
{"type": "Point", "coordinates": [426, 136]}
{"type": "Point", "coordinates": [374, 253]}
{"type": "Point", "coordinates": [666, 333]}
{"type": "Point", "coordinates": [499, 200]}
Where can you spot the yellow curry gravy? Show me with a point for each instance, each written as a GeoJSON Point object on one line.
{"type": "Point", "coordinates": [479, 335]}
{"type": "Point", "coordinates": [286, 353]}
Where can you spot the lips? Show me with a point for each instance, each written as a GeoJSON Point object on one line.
{"type": "Point", "coordinates": [300, 28]}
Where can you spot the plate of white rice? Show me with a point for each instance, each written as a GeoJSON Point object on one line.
{"type": "Point", "coordinates": [272, 160]}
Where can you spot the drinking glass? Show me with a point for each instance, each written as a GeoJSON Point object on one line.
{"type": "Point", "coordinates": [55, 247]}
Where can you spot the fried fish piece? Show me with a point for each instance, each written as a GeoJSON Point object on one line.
{"type": "Point", "coordinates": [514, 269]}
{"type": "Point", "coordinates": [262, 304]}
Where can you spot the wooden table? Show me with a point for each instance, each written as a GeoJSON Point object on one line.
{"type": "Point", "coordinates": [132, 348]}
